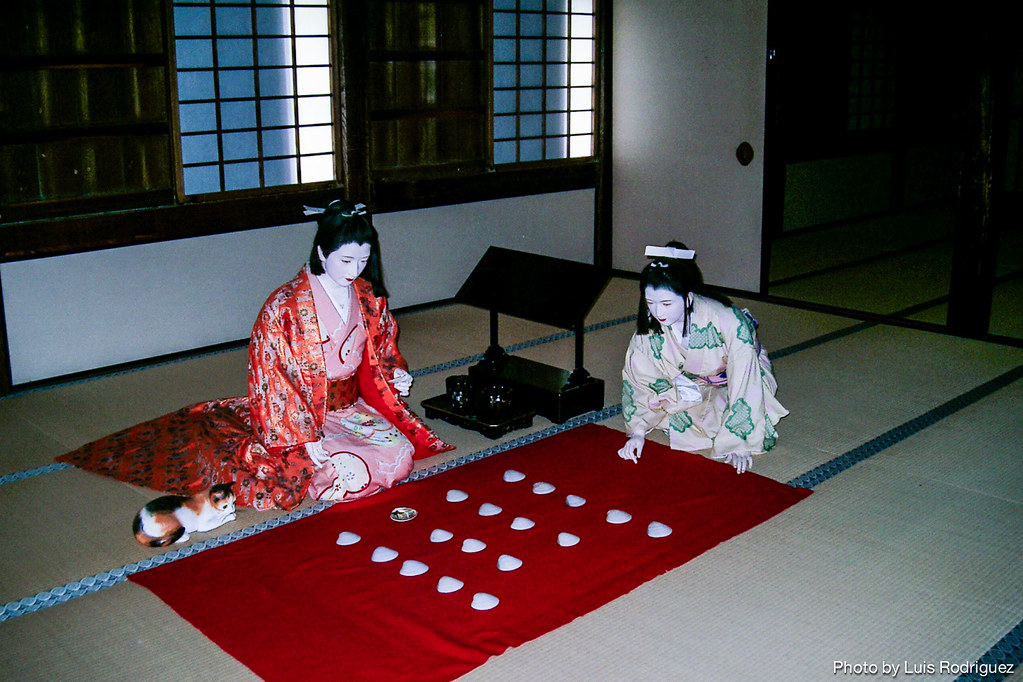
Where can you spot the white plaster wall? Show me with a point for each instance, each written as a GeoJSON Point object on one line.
{"type": "Point", "coordinates": [429, 253]}
{"type": "Point", "coordinates": [689, 87]}
{"type": "Point", "coordinates": [91, 310]}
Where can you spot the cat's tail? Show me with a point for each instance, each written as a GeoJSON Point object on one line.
{"type": "Point", "coordinates": [144, 538]}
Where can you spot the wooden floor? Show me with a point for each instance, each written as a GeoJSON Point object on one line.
{"type": "Point", "coordinates": [910, 550]}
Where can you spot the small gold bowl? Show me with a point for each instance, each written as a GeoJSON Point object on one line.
{"type": "Point", "coordinates": [402, 514]}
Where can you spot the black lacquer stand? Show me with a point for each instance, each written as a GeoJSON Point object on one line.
{"type": "Point", "coordinates": [542, 289]}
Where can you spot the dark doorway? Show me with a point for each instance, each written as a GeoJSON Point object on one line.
{"type": "Point", "coordinates": [893, 165]}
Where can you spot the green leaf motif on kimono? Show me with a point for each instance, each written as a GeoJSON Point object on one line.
{"type": "Point", "coordinates": [628, 403]}
{"type": "Point", "coordinates": [770, 437]}
{"type": "Point", "coordinates": [680, 422]}
{"type": "Point", "coordinates": [739, 421]}
{"type": "Point", "coordinates": [660, 386]}
{"type": "Point", "coordinates": [656, 344]}
{"type": "Point", "coordinates": [705, 337]}
{"type": "Point", "coordinates": [745, 330]}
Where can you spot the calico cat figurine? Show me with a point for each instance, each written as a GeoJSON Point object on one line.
{"type": "Point", "coordinates": [172, 517]}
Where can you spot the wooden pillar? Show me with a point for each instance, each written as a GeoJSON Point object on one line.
{"type": "Point", "coordinates": [976, 237]}
{"type": "Point", "coordinates": [774, 156]}
{"type": "Point", "coordinates": [603, 228]}
{"type": "Point", "coordinates": [5, 358]}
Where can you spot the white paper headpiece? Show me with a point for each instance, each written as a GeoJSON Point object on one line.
{"type": "Point", "coordinates": [670, 252]}
{"type": "Point", "coordinates": [358, 209]}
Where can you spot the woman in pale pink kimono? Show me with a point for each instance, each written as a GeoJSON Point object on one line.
{"type": "Point", "coordinates": [325, 413]}
{"type": "Point", "coordinates": [695, 368]}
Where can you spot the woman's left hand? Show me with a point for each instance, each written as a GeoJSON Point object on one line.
{"type": "Point", "coordinates": [741, 462]}
{"type": "Point", "coordinates": [402, 381]}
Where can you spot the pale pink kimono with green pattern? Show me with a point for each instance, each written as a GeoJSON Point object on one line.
{"type": "Point", "coordinates": [737, 415]}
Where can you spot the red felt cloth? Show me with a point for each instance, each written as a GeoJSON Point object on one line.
{"type": "Point", "coordinates": [292, 604]}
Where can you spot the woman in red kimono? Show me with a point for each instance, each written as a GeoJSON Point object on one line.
{"type": "Point", "coordinates": [324, 414]}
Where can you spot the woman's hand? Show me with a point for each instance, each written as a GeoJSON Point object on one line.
{"type": "Point", "coordinates": [402, 381]}
{"type": "Point", "coordinates": [741, 462]}
{"type": "Point", "coordinates": [316, 453]}
{"type": "Point", "coordinates": [633, 448]}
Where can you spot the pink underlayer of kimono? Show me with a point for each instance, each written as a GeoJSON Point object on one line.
{"type": "Point", "coordinates": [356, 434]}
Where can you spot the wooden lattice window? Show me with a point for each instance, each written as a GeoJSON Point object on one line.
{"type": "Point", "coordinates": [871, 73]}
{"type": "Point", "coordinates": [131, 121]}
{"type": "Point", "coordinates": [254, 86]}
{"type": "Point", "coordinates": [544, 78]}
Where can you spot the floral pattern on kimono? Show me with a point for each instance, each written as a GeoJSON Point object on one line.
{"type": "Point", "coordinates": [258, 442]}
{"type": "Point", "coordinates": [737, 412]}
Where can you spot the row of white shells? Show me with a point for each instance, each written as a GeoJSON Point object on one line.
{"type": "Point", "coordinates": [655, 529]}
{"type": "Point", "coordinates": [481, 601]}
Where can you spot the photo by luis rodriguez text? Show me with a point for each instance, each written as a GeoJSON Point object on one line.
{"type": "Point", "coordinates": [897, 669]}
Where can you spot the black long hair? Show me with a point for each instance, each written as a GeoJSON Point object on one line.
{"type": "Point", "coordinates": [679, 275]}
{"type": "Point", "coordinates": [342, 223]}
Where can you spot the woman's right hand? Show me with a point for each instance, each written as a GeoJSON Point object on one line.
{"type": "Point", "coordinates": [317, 455]}
{"type": "Point", "coordinates": [633, 448]}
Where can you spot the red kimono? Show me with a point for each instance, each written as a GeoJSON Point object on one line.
{"type": "Point", "coordinates": [258, 442]}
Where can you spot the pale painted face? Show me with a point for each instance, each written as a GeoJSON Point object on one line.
{"type": "Point", "coordinates": [665, 305]}
{"type": "Point", "coordinates": [346, 263]}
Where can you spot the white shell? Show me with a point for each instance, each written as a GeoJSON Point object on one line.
{"type": "Point", "coordinates": [481, 601]}
{"type": "Point", "coordinates": [457, 496]}
{"type": "Point", "coordinates": [347, 538]}
{"type": "Point", "coordinates": [567, 539]}
{"type": "Point", "coordinates": [487, 509]}
{"type": "Point", "coordinates": [471, 545]}
{"type": "Point", "coordinates": [522, 523]}
{"type": "Point", "coordinates": [618, 516]}
{"type": "Point", "coordinates": [440, 535]}
{"type": "Point", "coordinates": [512, 476]}
{"type": "Point", "coordinates": [413, 567]}
{"type": "Point", "coordinates": [506, 562]}
{"type": "Point", "coordinates": [447, 584]}
{"type": "Point", "coordinates": [575, 501]}
{"type": "Point", "coordinates": [541, 488]}
{"type": "Point", "coordinates": [382, 554]}
{"type": "Point", "coordinates": [656, 529]}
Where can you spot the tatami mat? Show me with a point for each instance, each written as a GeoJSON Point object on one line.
{"type": "Point", "coordinates": [911, 555]}
{"type": "Point", "coordinates": [852, 242]}
{"type": "Point", "coordinates": [122, 633]}
{"type": "Point", "coordinates": [897, 264]}
{"type": "Point", "coordinates": [882, 287]}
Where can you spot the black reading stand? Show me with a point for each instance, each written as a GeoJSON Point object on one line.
{"type": "Point", "coordinates": [543, 289]}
